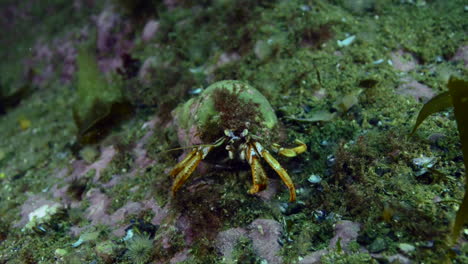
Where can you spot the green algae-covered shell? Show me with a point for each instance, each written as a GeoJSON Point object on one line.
{"type": "Point", "coordinates": [202, 119]}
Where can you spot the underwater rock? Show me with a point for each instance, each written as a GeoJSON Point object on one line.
{"type": "Point", "coordinates": [147, 70]}
{"type": "Point", "coordinates": [270, 192]}
{"type": "Point", "coordinates": [265, 234]}
{"type": "Point", "coordinates": [461, 55]}
{"type": "Point", "coordinates": [400, 259]}
{"type": "Point", "coordinates": [378, 245]}
{"type": "Point", "coordinates": [142, 160]}
{"type": "Point", "coordinates": [180, 256]}
{"type": "Point", "coordinates": [42, 215]}
{"type": "Point", "coordinates": [227, 240]}
{"type": "Point", "coordinates": [97, 211]}
{"type": "Point", "coordinates": [403, 61]}
{"type": "Point", "coordinates": [37, 209]}
{"type": "Point", "coordinates": [57, 57]}
{"type": "Point", "coordinates": [105, 22]}
{"type": "Point", "coordinates": [406, 248]}
{"type": "Point", "coordinates": [150, 30]}
{"type": "Point", "coordinates": [171, 4]}
{"type": "Point", "coordinates": [314, 257]}
{"type": "Point", "coordinates": [345, 232]}
{"type": "Point", "coordinates": [159, 213]}
{"type": "Point", "coordinates": [107, 154]}
{"type": "Point", "coordinates": [417, 90]}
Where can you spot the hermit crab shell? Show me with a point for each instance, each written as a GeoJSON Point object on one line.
{"type": "Point", "coordinates": [225, 105]}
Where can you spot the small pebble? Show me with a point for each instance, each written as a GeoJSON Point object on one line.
{"type": "Point", "coordinates": [406, 248]}
{"type": "Point", "coordinates": [314, 178]}
{"type": "Point", "coordinates": [378, 245]}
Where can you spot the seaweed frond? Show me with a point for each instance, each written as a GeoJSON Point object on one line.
{"type": "Point", "coordinates": [457, 96]}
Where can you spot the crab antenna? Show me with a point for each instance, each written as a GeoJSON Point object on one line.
{"type": "Point", "coordinates": [217, 143]}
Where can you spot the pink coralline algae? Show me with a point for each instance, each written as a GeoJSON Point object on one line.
{"type": "Point", "coordinates": [345, 232]}
{"type": "Point", "coordinates": [227, 240]}
{"type": "Point", "coordinates": [417, 90]}
{"type": "Point", "coordinates": [112, 40]}
{"type": "Point", "coordinates": [461, 55]}
{"type": "Point", "coordinates": [33, 202]}
{"type": "Point", "coordinates": [403, 61]}
{"type": "Point", "coordinates": [105, 23]}
{"type": "Point", "coordinates": [99, 202]}
{"type": "Point", "coordinates": [97, 212]}
{"type": "Point", "coordinates": [264, 233]}
{"type": "Point", "coordinates": [171, 4]}
{"type": "Point", "coordinates": [149, 31]}
{"type": "Point", "coordinates": [57, 56]}
{"type": "Point", "coordinates": [142, 160]}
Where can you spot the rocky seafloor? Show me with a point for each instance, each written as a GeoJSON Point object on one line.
{"type": "Point", "coordinates": [88, 136]}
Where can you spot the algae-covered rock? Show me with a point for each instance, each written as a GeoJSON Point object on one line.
{"type": "Point", "coordinates": [100, 105]}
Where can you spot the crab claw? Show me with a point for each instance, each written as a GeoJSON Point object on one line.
{"type": "Point", "coordinates": [185, 168]}
{"type": "Point", "coordinates": [291, 152]}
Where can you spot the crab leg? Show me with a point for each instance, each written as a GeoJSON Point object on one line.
{"type": "Point", "coordinates": [181, 165]}
{"type": "Point", "coordinates": [277, 167]}
{"type": "Point", "coordinates": [259, 177]}
{"type": "Point", "coordinates": [185, 168]}
{"type": "Point", "coordinates": [291, 152]}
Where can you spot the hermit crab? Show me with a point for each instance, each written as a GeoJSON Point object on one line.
{"type": "Point", "coordinates": [228, 123]}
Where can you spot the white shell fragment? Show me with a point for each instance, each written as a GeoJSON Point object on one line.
{"type": "Point", "coordinates": [314, 178]}
{"type": "Point", "coordinates": [424, 161]}
{"type": "Point", "coordinates": [346, 42]}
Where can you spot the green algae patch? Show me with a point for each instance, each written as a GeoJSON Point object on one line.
{"type": "Point", "coordinates": [99, 105]}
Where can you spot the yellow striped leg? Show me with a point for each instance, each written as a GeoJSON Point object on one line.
{"type": "Point", "coordinates": [291, 152]}
{"type": "Point", "coordinates": [280, 170]}
{"type": "Point", "coordinates": [259, 178]}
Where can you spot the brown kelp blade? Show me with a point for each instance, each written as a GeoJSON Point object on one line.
{"type": "Point", "coordinates": [437, 104]}
{"type": "Point", "coordinates": [459, 92]}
